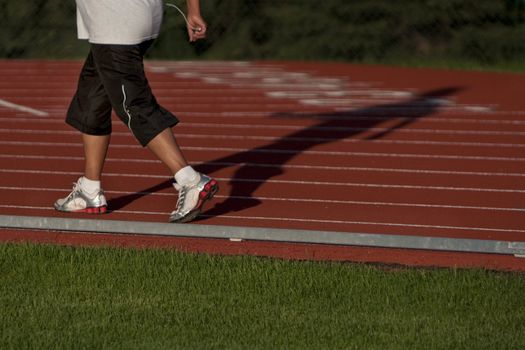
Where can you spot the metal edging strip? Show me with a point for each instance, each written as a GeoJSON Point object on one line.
{"type": "Point", "coordinates": [263, 234]}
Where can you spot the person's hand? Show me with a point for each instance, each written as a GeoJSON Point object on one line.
{"type": "Point", "coordinates": [196, 27]}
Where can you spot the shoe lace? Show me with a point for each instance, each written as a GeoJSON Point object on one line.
{"type": "Point", "coordinates": [76, 188]}
{"type": "Point", "coordinates": [183, 190]}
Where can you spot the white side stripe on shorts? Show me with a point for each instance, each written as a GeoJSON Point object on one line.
{"type": "Point", "coordinates": [126, 109]}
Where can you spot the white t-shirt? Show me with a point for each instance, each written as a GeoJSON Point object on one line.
{"type": "Point", "coordinates": [120, 22]}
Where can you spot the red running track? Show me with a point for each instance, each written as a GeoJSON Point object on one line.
{"type": "Point", "coordinates": [305, 146]}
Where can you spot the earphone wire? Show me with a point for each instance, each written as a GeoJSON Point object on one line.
{"type": "Point", "coordinates": [180, 11]}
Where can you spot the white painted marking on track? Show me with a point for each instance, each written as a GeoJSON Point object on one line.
{"type": "Point", "coordinates": [299, 200]}
{"type": "Point", "coordinates": [324, 91]}
{"type": "Point", "coordinates": [374, 185]}
{"type": "Point", "coordinates": [266, 218]}
{"type": "Point", "coordinates": [60, 144]}
{"type": "Point", "coordinates": [366, 223]}
{"type": "Point", "coordinates": [68, 158]}
{"type": "Point", "coordinates": [351, 154]}
{"type": "Point", "coordinates": [286, 151]}
{"type": "Point", "coordinates": [351, 140]}
{"type": "Point", "coordinates": [277, 165]}
{"type": "Point", "coordinates": [376, 93]}
{"type": "Point", "coordinates": [280, 138]}
{"type": "Point", "coordinates": [352, 130]}
{"type": "Point", "coordinates": [304, 115]}
{"type": "Point", "coordinates": [22, 108]}
{"type": "Point", "coordinates": [290, 182]}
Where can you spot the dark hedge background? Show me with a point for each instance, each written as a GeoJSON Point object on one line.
{"type": "Point", "coordinates": [482, 32]}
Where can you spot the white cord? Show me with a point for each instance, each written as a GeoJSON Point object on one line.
{"type": "Point", "coordinates": [184, 16]}
{"type": "Point", "coordinates": [180, 11]}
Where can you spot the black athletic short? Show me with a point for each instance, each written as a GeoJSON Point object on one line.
{"type": "Point", "coordinates": [113, 78]}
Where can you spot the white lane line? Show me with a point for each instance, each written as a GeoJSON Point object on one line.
{"type": "Point", "coordinates": [60, 144]}
{"type": "Point", "coordinates": [68, 158]}
{"type": "Point", "coordinates": [362, 169]}
{"type": "Point", "coordinates": [355, 103]}
{"type": "Point", "coordinates": [320, 221]}
{"type": "Point", "coordinates": [185, 103]}
{"type": "Point", "coordinates": [378, 203]}
{"type": "Point", "coordinates": [21, 108]}
{"type": "Point", "coordinates": [249, 103]}
{"type": "Point", "coordinates": [325, 115]}
{"type": "Point", "coordinates": [47, 132]}
{"type": "Point", "coordinates": [351, 154]}
{"type": "Point", "coordinates": [331, 115]}
{"type": "Point", "coordinates": [32, 120]}
{"type": "Point", "coordinates": [284, 151]}
{"type": "Point", "coordinates": [50, 208]}
{"type": "Point", "coordinates": [354, 129]}
{"type": "Point", "coordinates": [289, 182]}
{"type": "Point", "coordinates": [314, 115]}
{"type": "Point", "coordinates": [349, 140]}
{"type": "Point", "coordinates": [277, 165]}
{"type": "Point", "coordinates": [366, 223]}
{"type": "Point", "coordinates": [300, 200]}
{"type": "Point", "coordinates": [278, 138]}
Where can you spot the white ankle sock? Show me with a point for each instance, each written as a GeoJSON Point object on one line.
{"type": "Point", "coordinates": [187, 176]}
{"type": "Point", "coordinates": [89, 187]}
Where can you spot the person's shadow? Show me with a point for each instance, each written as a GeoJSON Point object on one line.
{"type": "Point", "coordinates": [332, 128]}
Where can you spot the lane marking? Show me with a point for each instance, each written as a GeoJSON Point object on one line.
{"type": "Point", "coordinates": [267, 218]}
{"type": "Point", "coordinates": [325, 115]}
{"type": "Point", "coordinates": [59, 144]}
{"type": "Point", "coordinates": [312, 111]}
{"type": "Point", "coordinates": [366, 223]}
{"type": "Point", "coordinates": [50, 208]}
{"type": "Point", "coordinates": [281, 199]}
{"type": "Point", "coordinates": [21, 108]}
{"type": "Point", "coordinates": [354, 108]}
{"type": "Point", "coordinates": [273, 80]}
{"type": "Point", "coordinates": [354, 129]}
{"type": "Point", "coordinates": [283, 151]}
{"type": "Point", "coordinates": [328, 126]}
{"type": "Point", "coordinates": [348, 140]}
{"type": "Point", "coordinates": [350, 154]}
{"type": "Point", "coordinates": [277, 138]}
{"type": "Point", "coordinates": [289, 182]}
{"type": "Point", "coordinates": [276, 165]}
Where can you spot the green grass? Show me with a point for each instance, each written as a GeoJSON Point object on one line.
{"type": "Point", "coordinates": [64, 297]}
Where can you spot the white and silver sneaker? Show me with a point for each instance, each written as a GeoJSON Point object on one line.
{"type": "Point", "coordinates": [79, 202]}
{"type": "Point", "coordinates": [192, 198]}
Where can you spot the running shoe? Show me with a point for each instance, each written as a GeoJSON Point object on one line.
{"type": "Point", "coordinates": [79, 202]}
{"type": "Point", "coordinates": [192, 198]}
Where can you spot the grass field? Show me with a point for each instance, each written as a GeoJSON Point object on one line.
{"type": "Point", "coordinates": [65, 297]}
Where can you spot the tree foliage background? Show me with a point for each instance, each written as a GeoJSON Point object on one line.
{"type": "Point", "coordinates": [478, 31]}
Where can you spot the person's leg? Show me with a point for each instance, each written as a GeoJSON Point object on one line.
{"type": "Point", "coordinates": [95, 150]}
{"type": "Point", "coordinates": [87, 195]}
{"type": "Point", "coordinates": [122, 73]}
{"type": "Point", "coordinates": [89, 113]}
{"type": "Point", "coordinates": [164, 146]}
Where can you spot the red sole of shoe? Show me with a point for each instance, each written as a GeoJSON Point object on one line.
{"type": "Point", "coordinates": [209, 191]}
{"type": "Point", "coordinates": [94, 210]}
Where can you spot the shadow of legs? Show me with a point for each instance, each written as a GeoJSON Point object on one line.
{"type": "Point", "coordinates": [122, 201]}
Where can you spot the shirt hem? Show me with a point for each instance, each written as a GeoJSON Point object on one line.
{"type": "Point", "coordinates": [112, 41]}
